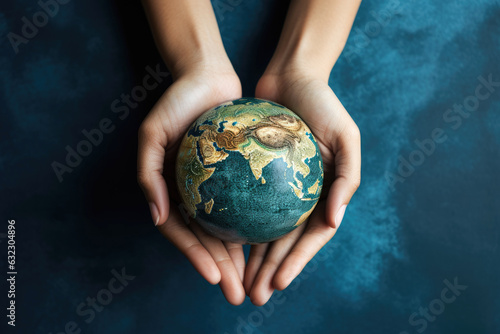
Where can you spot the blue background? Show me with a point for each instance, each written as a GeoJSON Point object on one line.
{"type": "Point", "coordinates": [396, 245]}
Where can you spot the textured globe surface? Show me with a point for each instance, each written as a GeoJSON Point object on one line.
{"type": "Point", "coordinates": [249, 171]}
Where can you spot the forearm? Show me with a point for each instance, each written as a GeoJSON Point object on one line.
{"type": "Point", "coordinates": [186, 33]}
{"type": "Point", "coordinates": [314, 34]}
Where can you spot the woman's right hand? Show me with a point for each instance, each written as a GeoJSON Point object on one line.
{"type": "Point", "coordinates": [201, 87]}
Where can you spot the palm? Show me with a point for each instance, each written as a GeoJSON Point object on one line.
{"type": "Point", "coordinates": [159, 139]}
{"type": "Point", "coordinates": [185, 101]}
{"type": "Point", "coordinates": [273, 266]}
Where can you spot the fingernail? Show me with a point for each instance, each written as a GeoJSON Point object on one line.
{"type": "Point", "coordinates": [154, 213]}
{"type": "Point", "coordinates": [340, 215]}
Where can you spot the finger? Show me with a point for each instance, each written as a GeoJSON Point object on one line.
{"type": "Point", "coordinates": [255, 259]}
{"type": "Point", "coordinates": [235, 251]}
{"type": "Point", "coordinates": [316, 235]}
{"type": "Point", "coordinates": [179, 234]}
{"type": "Point", "coordinates": [150, 159]}
{"type": "Point", "coordinates": [230, 282]}
{"type": "Point", "coordinates": [263, 288]}
{"type": "Point", "coordinates": [347, 174]}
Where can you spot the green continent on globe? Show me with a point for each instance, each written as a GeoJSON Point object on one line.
{"type": "Point", "coordinates": [249, 171]}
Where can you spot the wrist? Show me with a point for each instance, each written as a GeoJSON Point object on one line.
{"type": "Point", "coordinates": [201, 61]}
{"type": "Point", "coordinates": [214, 77]}
{"type": "Point", "coordinates": [296, 67]}
{"type": "Point", "coordinates": [299, 58]}
{"type": "Point", "coordinates": [313, 36]}
{"type": "Point", "coordinates": [186, 34]}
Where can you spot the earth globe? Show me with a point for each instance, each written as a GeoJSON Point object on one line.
{"type": "Point", "coordinates": [249, 171]}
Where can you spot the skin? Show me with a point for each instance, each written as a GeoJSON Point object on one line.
{"type": "Point", "coordinates": [313, 36]}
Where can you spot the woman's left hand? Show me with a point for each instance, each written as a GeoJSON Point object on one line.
{"type": "Point", "coordinates": [275, 265]}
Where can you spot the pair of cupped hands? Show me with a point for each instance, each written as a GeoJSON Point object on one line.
{"type": "Point", "coordinates": [272, 265]}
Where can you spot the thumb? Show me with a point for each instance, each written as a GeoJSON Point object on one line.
{"type": "Point", "coordinates": [150, 158]}
{"type": "Point", "coordinates": [347, 174]}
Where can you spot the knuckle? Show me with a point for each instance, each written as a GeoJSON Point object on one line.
{"type": "Point", "coordinates": [151, 127]}
{"type": "Point", "coordinates": [146, 129]}
{"type": "Point", "coordinates": [192, 249]}
{"type": "Point", "coordinates": [301, 255]}
{"type": "Point", "coordinates": [143, 178]}
{"type": "Point", "coordinates": [271, 263]}
{"type": "Point", "coordinates": [353, 181]}
{"type": "Point", "coordinates": [322, 234]}
{"type": "Point", "coordinates": [356, 181]}
{"type": "Point", "coordinates": [223, 262]}
{"type": "Point", "coordinates": [353, 132]}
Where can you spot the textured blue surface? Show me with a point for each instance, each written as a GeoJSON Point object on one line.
{"type": "Point", "coordinates": [399, 243]}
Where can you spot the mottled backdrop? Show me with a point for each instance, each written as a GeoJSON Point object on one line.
{"type": "Point", "coordinates": [417, 251]}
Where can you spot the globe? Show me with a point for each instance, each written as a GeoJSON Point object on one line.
{"type": "Point", "coordinates": [249, 171]}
